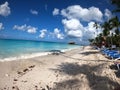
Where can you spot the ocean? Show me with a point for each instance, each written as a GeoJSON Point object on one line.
{"type": "Point", "coordinates": [24, 49]}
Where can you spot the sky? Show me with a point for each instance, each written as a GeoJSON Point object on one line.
{"type": "Point", "coordinates": [53, 20]}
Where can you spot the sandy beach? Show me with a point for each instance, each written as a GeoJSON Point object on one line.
{"type": "Point", "coordinates": [79, 69]}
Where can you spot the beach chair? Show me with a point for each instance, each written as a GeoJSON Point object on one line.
{"type": "Point", "coordinates": [115, 56]}
{"type": "Point", "coordinates": [112, 52]}
{"type": "Point", "coordinates": [105, 51]}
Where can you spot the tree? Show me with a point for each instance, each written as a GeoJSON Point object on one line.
{"type": "Point", "coordinates": [106, 28]}
{"type": "Point", "coordinates": [106, 32]}
{"type": "Point", "coordinates": [114, 23]}
{"type": "Point", "coordinates": [96, 25]}
{"type": "Point", "coordinates": [117, 4]}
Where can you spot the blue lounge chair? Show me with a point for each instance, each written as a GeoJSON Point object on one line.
{"type": "Point", "coordinates": [115, 56]}
{"type": "Point", "coordinates": [112, 52]}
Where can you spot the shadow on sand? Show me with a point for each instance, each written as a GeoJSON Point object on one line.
{"type": "Point", "coordinates": [117, 73]}
{"type": "Point", "coordinates": [89, 52]}
{"type": "Point", "coordinates": [95, 82]}
{"type": "Point", "coordinates": [68, 56]}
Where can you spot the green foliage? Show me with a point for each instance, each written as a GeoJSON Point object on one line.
{"type": "Point", "coordinates": [106, 28]}
{"type": "Point", "coordinates": [112, 25]}
{"type": "Point", "coordinates": [115, 23]}
{"type": "Point", "coordinates": [117, 4]}
{"type": "Point", "coordinates": [105, 36]}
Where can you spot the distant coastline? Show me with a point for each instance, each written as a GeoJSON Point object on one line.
{"type": "Point", "coordinates": [32, 40]}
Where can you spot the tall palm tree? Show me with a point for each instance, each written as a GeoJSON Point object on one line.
{"type": "Point", "coordinates": [106, 28]}
{"type": "Point", "coordinates": [115, 23]}
{"type": "Point", "coordinates": [117, 4]}
{"type": "Point", "coordinates": [96, 25]}
{"type": "Point", "coordinates": [106, 31]}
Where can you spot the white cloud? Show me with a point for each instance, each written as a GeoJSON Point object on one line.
{"type": "Point", "coordinates": [55, 11]}
{"type": "Point", "coordinates": [1, 26]}
{"type": "Point", "coordinates": [108, 13]}
{"type": "Point", "coordinates": [73, 27]}
{"type": "Point", "coordinates": [24, 27]}
{"type": "Point", "coordinates": [58, 34]}
{"type": "Point", "coordinates": [71, 24]}
{"type": "Point", "coordinates": [75, 33]}
{"type": "Point", "coordinates": [85, 14]}
{"type": "Point", "coordinates": [55, 34]}
{"type": "Point", "coordinates": [5, 9]}
{"type": "Point", "coordinates": [43, 33]}
{"type": "Point", "coordinates": [90, 31]}
{"type": "Point", "coordinates": [31, 29]}
{"type": "Point", "coordinates": [34, 12]}
{"type": "Point", "coordinates": [75, 16]}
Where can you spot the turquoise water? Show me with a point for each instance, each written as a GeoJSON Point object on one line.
{"type": "Point", "coordinates": [18, 49]}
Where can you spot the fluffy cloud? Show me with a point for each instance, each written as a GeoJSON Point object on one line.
{"type": "Point", "coordinates": [73, 27]}
{"type": "Point", "coordinates": [55, 34]}
{"type": "Point", "coordinates": [5, 9]}
{"type": "Point", "coordinates": [55, 11]}
{"type": "Point", "coordinates": [34, 12]}
{"type": "Point", "coordinates": [108, 13]}
{"type": "Point", "coordinates": [58, 34]}
{"type": "Point", "coordinates": [90, 31]}
{"type": "Point", "coordinates": [85, 14]}
{"type": "Point", "coordinates": [43, 33]}
{"type": "Point", "coordinates": [31, 29]}
{"type": "Point", "coordinates": [24, 27]}
{"type": "Point", "coordinates": [1, 26]}
{"type": "Point", "coordinates": [75, 16]}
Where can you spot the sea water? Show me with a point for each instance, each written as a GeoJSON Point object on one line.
{"type": "Point", "coordinates": [23, 49]}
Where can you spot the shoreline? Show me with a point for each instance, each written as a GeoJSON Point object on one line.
{"type": "Point", "coordinates": [33, 55]}
{"type": "Point", "coordinates": [77, 69]}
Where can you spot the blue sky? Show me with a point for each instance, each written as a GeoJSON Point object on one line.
{"type": "Point", "coordinates": [52, 20]}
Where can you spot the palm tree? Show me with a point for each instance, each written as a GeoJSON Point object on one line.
{"type": "Point", "coordinates": [106, 31]}
{"type": "Point", "coordinates": [106, 28]}
{"type": "Point", "coordinates": [96, 25]}
{"type": "Point", "coordinates": [114, 22]}
{"type": "Point", "coordinates": [117, 4]}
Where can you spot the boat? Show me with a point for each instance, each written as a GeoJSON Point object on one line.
{"type": "Point", "coordinates": [71, 43]}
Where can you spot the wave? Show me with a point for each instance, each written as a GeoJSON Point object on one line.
{"type": "Point", "coordinates": [26, 56]}
{"type": "Point", "coordinates": [32, 55]}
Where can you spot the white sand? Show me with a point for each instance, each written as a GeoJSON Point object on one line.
{"type": "Point", "coordinates": [77, 69]}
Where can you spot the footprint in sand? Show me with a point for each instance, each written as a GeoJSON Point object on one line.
{"type": "Point", "coordinates": [21, 73]}
{"type": "Point", "coordinates": [42, 86]}
{"type": "Point", "coordinates": [15, 88]}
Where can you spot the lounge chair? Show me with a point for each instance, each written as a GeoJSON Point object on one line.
{"type": "Point", "coordinates": [115, 56]}
{"type": "Point", "coordinates": [112, 53]}
{"type": "Point", "coordinates": [105, 51]}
